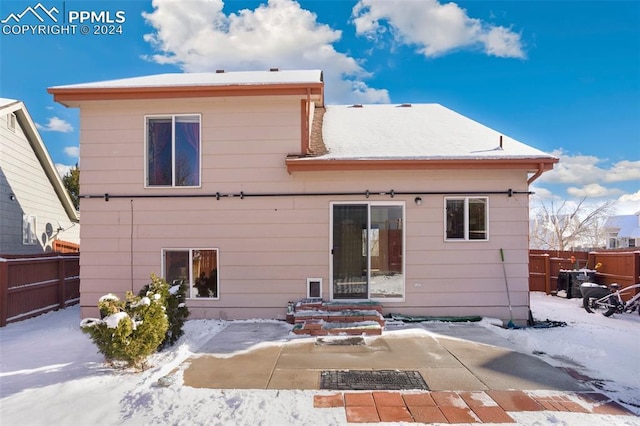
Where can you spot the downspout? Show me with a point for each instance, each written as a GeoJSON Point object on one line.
{"type": "Point", "coordinates": [537, 174]}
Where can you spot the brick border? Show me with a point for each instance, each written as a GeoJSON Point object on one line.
{"type": "Point", "coordinates": [467, 407]}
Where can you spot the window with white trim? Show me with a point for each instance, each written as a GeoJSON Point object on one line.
{"type": "Point", "coordinates": [29, 236]}
{"type": "Point", "coordinates": [466, 218]}
{"type": "Point", "coordinates": [198, 268]}
{"type": "Point", "coordinates": [173, 151]}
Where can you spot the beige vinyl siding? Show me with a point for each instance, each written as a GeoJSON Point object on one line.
{"type": "Point", "coordinates": [269, 246]}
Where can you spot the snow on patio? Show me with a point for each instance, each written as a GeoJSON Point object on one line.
{"type": "Point", "coordinates": [51, 373]}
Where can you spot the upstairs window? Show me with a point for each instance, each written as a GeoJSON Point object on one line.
{"type": "Point", "coordinates": [466, 218]}
{"type": "Point", "coordinates": [173, 151]}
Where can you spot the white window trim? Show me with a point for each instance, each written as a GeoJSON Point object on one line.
{"type": "Point", "coordinates": [403, 204]}
{"type": "Point", "coordinates": [173, 154]}
{"type": "Point", "coordinates": [190, 284]}
{"type": "Point", "coordinates": [466, 238]}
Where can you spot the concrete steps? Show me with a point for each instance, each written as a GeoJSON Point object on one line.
{"type": "Point", "coordinates": [315, 317]}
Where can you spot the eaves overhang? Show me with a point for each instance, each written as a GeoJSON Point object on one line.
{"type": "Point", "coordinates": [73, 96]}
{"type": "Point", "coordinates": [309, 164]}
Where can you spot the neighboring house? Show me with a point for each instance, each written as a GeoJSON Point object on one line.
{"type": "Point", "coordinates": [35, 208]}
{"type": "Point", "coordinates": [248, 187]}
{"type": "Point", "coordinates": [623, 231]}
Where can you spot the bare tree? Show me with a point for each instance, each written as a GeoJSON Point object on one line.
{"type": "Point", "coordinates": [570, 224]}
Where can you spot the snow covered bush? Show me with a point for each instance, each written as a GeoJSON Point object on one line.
{"type": "Point", "coordinates": [176, 309]}
{"type": "Point", "coordinates": [129, 330]}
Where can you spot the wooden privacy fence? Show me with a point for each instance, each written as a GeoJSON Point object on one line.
{"type": "Point", "coordinates": [60, 246]}
{"type": "Point", "coordinates": [622, 267]}
{"type": "Point", "coordinates": [31, 286]}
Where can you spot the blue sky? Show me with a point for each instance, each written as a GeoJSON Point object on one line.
{"type": "Point", "coordinates": [562, 76]}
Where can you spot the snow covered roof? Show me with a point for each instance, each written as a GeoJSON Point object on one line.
{"type": "Point", "coordinates": [305, 84]}
{"type": "Point", "coordinates": [6, 101]}
{"type": "Point", "coordinates": [627, 226]}
{"type": "Point", "coordinates": [418, 131]}
{"type": "Point", "coordinates": [206, 79]}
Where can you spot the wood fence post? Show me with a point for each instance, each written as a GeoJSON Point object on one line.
{"type": "Point", "coordinates": [62, 278]}
{"type": "Point", "coordinates": [4, 291]}
{"type": "Point", "coordinates": [547, 273]}
{"type": "Point", "coordinates": [636, 269]}
{"type": "Point", "coordinates": [591, 260]}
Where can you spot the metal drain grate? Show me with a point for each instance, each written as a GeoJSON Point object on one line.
{"type": "Point", "coordinates": [371, 380]}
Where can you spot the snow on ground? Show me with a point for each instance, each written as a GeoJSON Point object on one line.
{"type": "Point", "coordinates": [50, 373]}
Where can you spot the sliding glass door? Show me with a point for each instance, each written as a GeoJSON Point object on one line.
{"type": "Point", "coordinates": [367, 251]}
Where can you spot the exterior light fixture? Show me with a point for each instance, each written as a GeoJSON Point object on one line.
{"type": "Point", "coordinates": [12, 197]}
{"type": "Point", "coordinates": [418, 201]}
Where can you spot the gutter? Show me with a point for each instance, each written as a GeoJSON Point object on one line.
{"type": "Point", "coordinates": [537, 174]}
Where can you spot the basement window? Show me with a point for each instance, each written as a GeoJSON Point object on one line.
{"type": "Point", "coordinates": [198, 268]}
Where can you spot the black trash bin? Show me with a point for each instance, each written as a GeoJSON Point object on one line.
{"type": "Point", "coordinates": [570, 280]}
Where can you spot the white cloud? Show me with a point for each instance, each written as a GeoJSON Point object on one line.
{"type": "Point", "coordinates": [593, 190]}
{"type": "Point", "coordinates": [631, 197]}
{"type": "Point", "coordinates": [436, 29]}
{"type": "Point", "coordinates": [542, 194]}
{"type": "Point", "coordinates": [623, 171]}
{"type": "Point", "coordinates": [579, 169]}
{"type": "Point", "coordinates": [199, 36]}
{"type": "Point", "coordinates": [628, 203]}
{"type": "Point", "coordinates": [588, 169]}
{"type": "Point", "coordinates": [63, 169]}
{"type": "Point", "coordinates": [72, 151]}
{"type": "Point", "coordinates": [55, 124]}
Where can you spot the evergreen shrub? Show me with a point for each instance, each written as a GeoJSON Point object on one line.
{"type": "Point", "coordinates": [130, 330]}
{"type": "Point", "coordinates": [176, 309]}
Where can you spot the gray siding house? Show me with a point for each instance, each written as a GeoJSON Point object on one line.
{"type": "Point", "coordinates": [35, 208]}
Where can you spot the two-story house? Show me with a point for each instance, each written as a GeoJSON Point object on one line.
{"type": "Point", "coordinates": [623, 231]}
{"type": "Point", "coordinates": [250, 188]}
{"type": "Point", "coordinates": [35, 208]}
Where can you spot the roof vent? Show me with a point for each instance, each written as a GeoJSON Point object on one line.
{"type": "Point", "coordinates": [356, 106]}
{"type": "Point", "coordinates": [219, 71]}
{"type": "Point", "coordinates": [274, 69]}
{"type": "Point", "coordinates": [405, 105]}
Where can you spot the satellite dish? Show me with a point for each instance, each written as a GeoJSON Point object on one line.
{"type": "Point", "coordinates": [49, 229]}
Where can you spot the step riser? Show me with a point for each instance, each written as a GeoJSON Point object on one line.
{"type": "Point", "coordinates": [319, 319]}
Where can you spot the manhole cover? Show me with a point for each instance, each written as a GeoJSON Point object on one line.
{"type": "Point", "coordinates": [371, 380]}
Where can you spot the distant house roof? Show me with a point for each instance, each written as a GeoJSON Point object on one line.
{"type": "Point", "coordinates": [175, 85]}
{"type": "Point", "coordinates": [626, 226]}
{"type": "Point", "coordinates": [28, 126]}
